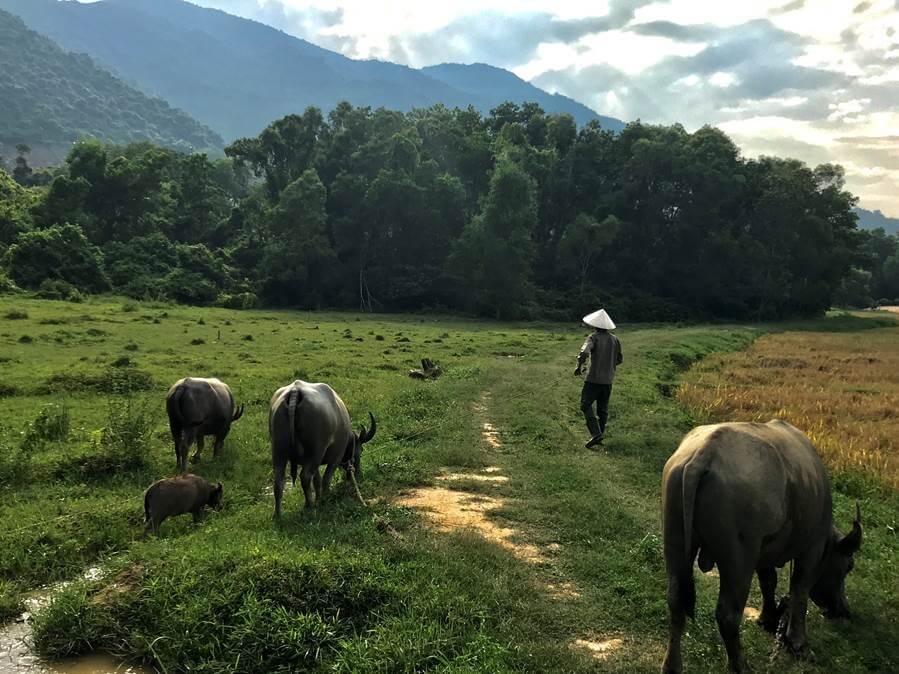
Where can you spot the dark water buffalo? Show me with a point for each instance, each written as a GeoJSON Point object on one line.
{"type": "Point", "coordinates": [749, 498]}
{"type": "Point", "coordinates": [179, 495]}
{"type": "Point", "coordinates": [198, 407]}
{"type": "Point", "coordinates": [309, 426]}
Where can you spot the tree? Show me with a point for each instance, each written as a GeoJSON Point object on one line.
{"type": "Point", "coordinates": [61, 252]}
{"type": "Point", "coordinates": [582, 245]}
{"type": "Point", "coordinates": [15, 205]}
{"type": "Point", "coordinates": [298, 258]}
{"type": "Point", "coordinates": [495, 252]}
{"type": "Point", "coordinates": [283, 151]}
{"type": "Point", "coordinates": [22, 171]}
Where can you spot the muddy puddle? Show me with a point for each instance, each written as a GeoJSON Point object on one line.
{"type": "Point", "coordinates": [17, 658]}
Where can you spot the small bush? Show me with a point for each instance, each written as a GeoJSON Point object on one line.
{"type": "Point", "coordinates": [26, 339]}
{"type": "Point", "coordinates": [57, 289]}
{"type": "Point", "coordinates": [112, 380]}
{"type": "Point", "coordinates": [197, 341]}
{"type": "Point", "coordinates": [122, 361]}
{"type": "Point", "coordinates": [8, 390]}
{"type": "Point", "coordinates": [128, 307]}
{"type": "Point", "coordinates": [126, 437]}
{"type": "Point", "coordinates": [247, 338]}
{"type": "Point", "coordinates": [16, 315]}
{"type": "Point", "coordinates": [51, 424]}
{"type": "Point", "coordinates": [237, 300]}
{"type": "Point", "coordinates": [131, 346]}
{"type": "Point", "coordinates": [10, 605]}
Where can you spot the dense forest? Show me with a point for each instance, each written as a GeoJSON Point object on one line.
{"type": "Point", "coordinates": [51, 96]}
{"type": "Point", "coordinates": [513, 214]}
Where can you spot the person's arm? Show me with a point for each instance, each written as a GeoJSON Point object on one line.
{"type": "Point", "coordinates": [620, 357]}
{"type": "Point", "coordinates": [582, 356]}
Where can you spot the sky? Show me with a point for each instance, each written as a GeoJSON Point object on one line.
{"type": "Point", "coordinates": [817, 80]}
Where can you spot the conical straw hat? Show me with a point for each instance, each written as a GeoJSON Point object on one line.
{"type": "Point", "coordinates": [599, 319]}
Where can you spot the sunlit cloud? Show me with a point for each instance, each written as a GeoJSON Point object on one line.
{"type": "Point", "coordinates": [791, 77]}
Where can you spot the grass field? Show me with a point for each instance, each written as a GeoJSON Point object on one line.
{"type": "Point", "coordinates": [841, 388]}
{"type": "Point", "coordinates": [492, 541]}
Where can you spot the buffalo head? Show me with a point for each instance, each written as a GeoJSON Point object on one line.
{"type": "Point", "coordinates": [360, 439]}
{"type": "Point", "coordinates": [215, 497]}
{"type": "Point", "coordinates": [829, 593]}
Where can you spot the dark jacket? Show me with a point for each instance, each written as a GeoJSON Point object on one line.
{"type": "Point", "coordinates": [604, 351]}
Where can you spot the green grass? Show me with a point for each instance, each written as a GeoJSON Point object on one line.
{"type": "Point", "coordinates": [333, 590]}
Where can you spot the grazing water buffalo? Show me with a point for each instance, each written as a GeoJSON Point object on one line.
{"type": "Point", "coordinates": [178, 495]}
{"type": "Point", "coordinates": [749, 498]}
{"type": "Point", "coordinates": [309, 426]}
{"type": "Point", "coordinates": [198, 407]}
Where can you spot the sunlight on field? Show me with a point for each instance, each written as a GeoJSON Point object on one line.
{"type": "Point", "coordinates": [842, 389]}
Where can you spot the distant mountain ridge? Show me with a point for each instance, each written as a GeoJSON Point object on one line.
{"type": "Point", "coordinates": [49, 97]}
{"type": "Point", "coordinates": [238, 75]}
{"type": "Point", "coordinates": [876, 219]}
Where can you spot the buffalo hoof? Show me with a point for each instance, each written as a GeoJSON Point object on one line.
{"type": "Point", "coordinates": [768, 624]}
{"type": "Point", "coordinates": [800, 651]}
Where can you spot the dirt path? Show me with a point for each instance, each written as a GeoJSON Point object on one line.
{"type": "Point", "coordinates": [450, 506]}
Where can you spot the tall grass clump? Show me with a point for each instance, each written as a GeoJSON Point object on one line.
{"type": "Point", "coordinates": [51, 424]}
{"type": "Point", "coordinates": [127, 433]}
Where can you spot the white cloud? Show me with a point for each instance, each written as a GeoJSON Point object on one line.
{"type": "Point", "coordinates": [723, 80]}
{"type": "Point", "coordinates": [781, 76]}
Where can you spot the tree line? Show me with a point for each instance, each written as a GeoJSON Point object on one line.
{"type": "Point", "coordinates": [512, 214]}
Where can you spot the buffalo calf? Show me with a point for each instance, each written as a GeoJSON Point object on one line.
{"type": "Point", "coordinates": [179, 495]}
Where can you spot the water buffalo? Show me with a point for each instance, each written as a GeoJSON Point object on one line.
{"type": "Point", "coordinates": [178, 495]}
{"type": "Point", "coordinates": [309, 426]}
{"type": "Point", "coordinates": [750, 497]}
{"type": "Point", "coordinates": [198, 407]}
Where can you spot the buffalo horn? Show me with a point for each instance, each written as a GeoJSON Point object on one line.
{"type": "Point", "coordinates": [365, 436]}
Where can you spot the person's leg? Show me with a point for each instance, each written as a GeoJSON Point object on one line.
{"type": "Point", "coordinates": [588, 397]}
{"type": "Point", "coordinates": [602, 406]}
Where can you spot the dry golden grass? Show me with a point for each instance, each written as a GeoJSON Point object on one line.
{"type": "Point", "coordinates": [842, 389]}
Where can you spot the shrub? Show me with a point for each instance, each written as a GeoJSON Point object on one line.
{"type": "Point", "coordinates": [6, 284]}
{"type": "Point", "coordinates": [10, 605]}
{"type": "Point", "coordinates": [51, 424]}
{"type": "Point", "coordinates": [113, 380]}
{"type": "Point", "coordinates": [56, 289]}
{"type": "Point", "coordinates": [245, 300]}
{"type": "Point", "coordinates": [60, 252]}
{"type": "Point", "coordinates": [125, 439]}
{"type": "Point", "coordinates": [197, 341]}
{"type": "Point", "coordinates": [8, 390]}
{"type": "Point", "coordinates": [16, 315]}
{"type": "Point", "coordinates": [26, 339]}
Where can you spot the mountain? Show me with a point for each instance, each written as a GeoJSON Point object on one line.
{"type": "Point", "coordinates": [51, 97]}
{"type": "Point", "coordinates": [238, 75]}
{"type": "Point", "coordinates": [874, 219]}
{"type": "Point", "coordinates": [497, 85]}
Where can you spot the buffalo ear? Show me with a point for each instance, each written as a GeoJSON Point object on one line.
{"type": "Point", "coordinates": [851, 542]}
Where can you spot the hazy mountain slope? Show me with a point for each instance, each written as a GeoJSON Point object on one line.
{"type": "Point", "coordinates": [874, 219]}
{"type": "Point", "coordinates": [51, 96]}
{"type": "Point", "coordinates": [238, 75]}
{"type": "Point", "coordinates": [496, 85]}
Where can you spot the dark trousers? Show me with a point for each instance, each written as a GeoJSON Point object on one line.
{"type": "Point", "coordinates": [599, 394]}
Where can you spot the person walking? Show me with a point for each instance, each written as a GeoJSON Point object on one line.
{"type": "Point", "coordinates": [604, 351]}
